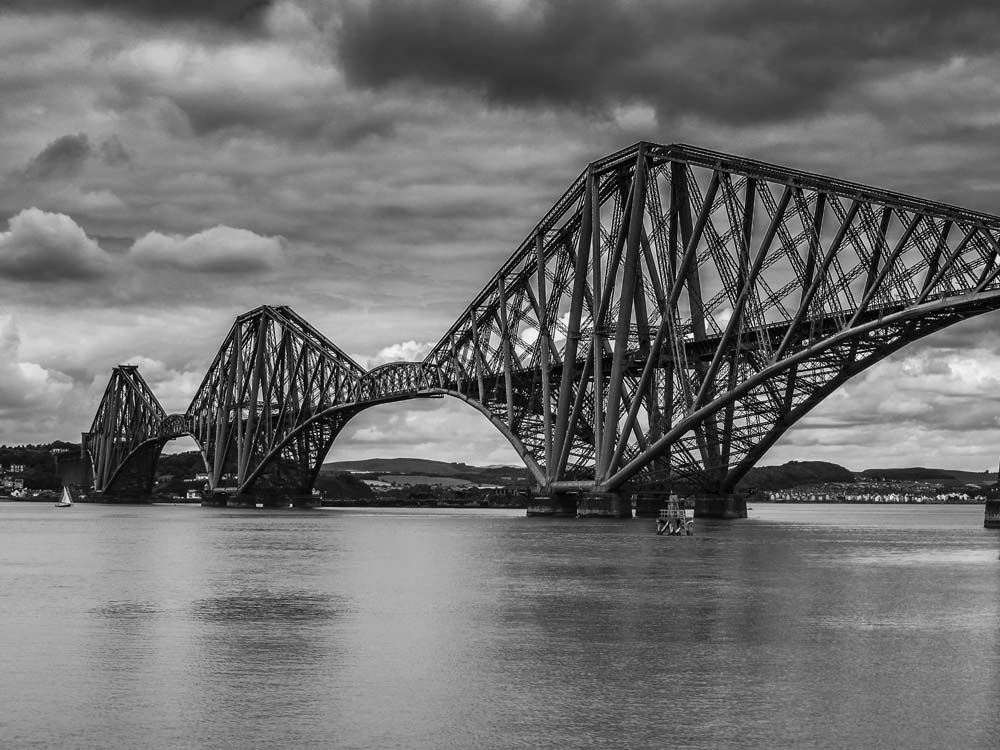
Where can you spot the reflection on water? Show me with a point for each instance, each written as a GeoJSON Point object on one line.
{"type": "Point", "coordinates": [263, 605]}
{"type": "Point", "coordinates": [116, 611]}
{"type": "Point", "coordinates": [932, 557]}
{"type": "Point", "coordinates": [826, 627]}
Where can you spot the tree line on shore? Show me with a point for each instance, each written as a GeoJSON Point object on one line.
{"type": "Point", "coordinates": [39, 472]}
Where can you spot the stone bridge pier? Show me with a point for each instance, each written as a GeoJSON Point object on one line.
{"type": "Point", "coordinates": [992, 519]}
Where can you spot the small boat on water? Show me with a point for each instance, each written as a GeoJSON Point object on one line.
{"type": "Point", "coordinates": [66, 501]}
{"type": "Point", "coordinates": [675, 519]}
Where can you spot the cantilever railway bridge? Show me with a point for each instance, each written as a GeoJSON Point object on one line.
{"type": "Point", "coordinates": [671, 316]}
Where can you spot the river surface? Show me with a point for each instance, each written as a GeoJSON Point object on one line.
{"type": "Point", "coordinates": [800, 627]}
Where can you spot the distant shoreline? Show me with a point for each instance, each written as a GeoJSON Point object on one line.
{"type": "Point", "coordinates": [446, 503]}
{"type": "Point", "coordinates": [751, 499]}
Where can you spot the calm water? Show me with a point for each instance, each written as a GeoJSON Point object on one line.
{"type": "Point", "coordinates": [802, 627]}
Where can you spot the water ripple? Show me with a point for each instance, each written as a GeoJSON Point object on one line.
{"type": "Point", "coordinates": [286, 606]}
{"type": "Point", "coordinates": [125, 610]}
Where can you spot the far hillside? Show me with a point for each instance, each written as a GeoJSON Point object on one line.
{"type": "Point", "coordinates": [944, 477]}
{"type": "Point", "coordinates": [427, 467]}
{"type": "Point", "coordinates": [761, 478]}
{"type": "Point", "coordinates": [794, 474]}
{"type": "Point", "coordinates": [799, 473]}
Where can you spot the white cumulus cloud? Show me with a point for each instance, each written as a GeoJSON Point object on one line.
{"type": "Point", "coordinates": [404, 351]}
{"type": "Point", "coordinates": [174, 388]}
{"type": "Point", "coordinates": [43, 246]}
{"type": "Point", "coordinates": [26, 387]}
{"type": "Point", "coordinates": [220, 249]}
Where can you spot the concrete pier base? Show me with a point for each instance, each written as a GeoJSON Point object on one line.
{"type": "Point", "coordinates": [603, 505]}
{"type": "Point", "coordinates": [552, 505]}
{"type": "Point", "coordinates": [992, 520]}
{"type": "Point", "coordinates": [719, 506]}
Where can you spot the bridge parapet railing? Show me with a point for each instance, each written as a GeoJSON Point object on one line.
{"type": "Point", "coordinates": [396, 379]}
{"type": "Point", "coordinates": [175, 425]}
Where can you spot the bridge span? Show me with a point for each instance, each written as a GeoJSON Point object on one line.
{"type": "Point", "coordinates": [662, 325]}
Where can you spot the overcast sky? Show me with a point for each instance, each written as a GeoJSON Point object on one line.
{"type": "Point", "coordinates": [168, 164]}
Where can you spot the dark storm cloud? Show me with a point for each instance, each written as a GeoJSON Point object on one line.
{"type": "Point", "coordinates": [237, 12]}
{"type": "Point", "coordinates": [64, 157]}
{"type": "Point", "coordinates": [742, 60]}
{"type": "Point", "coordinates": [208, 113]}
{"type": "Point", "coordinates": [114, 153]}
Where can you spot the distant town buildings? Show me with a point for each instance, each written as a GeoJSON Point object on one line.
{"type": "Point", "coordinates": [892, 492]}
{"type": "Point", "coordinates": [11, 478]}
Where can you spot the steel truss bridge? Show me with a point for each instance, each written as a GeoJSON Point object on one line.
{"type": "Point", "coordinates": [668, 319]}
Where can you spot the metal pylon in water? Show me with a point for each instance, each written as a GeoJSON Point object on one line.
{"type": "Point", "coordinates": [124, 439]}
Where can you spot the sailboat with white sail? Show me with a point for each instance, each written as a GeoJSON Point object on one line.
{"type": "Point", "coordinates": [66, 501]}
